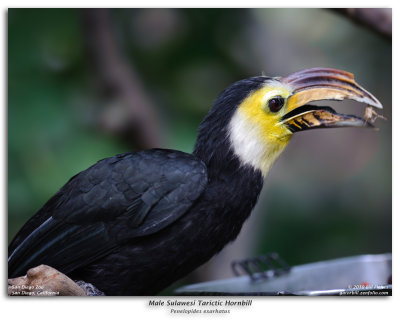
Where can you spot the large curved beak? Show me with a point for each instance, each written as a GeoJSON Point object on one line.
{"type": "Point", "coordinates": [323, 84]}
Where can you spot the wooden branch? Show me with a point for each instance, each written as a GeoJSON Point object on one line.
{"type": "Point", "coordinates": [118, 79]}
{"type": "Point", "coordinates": [47, 281]}
{"type": "Point", "coordinates": [44, 281]}
{"type": "Point", "coordinates": [377, 19]}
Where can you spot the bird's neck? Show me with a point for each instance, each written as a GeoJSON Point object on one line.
{"type": "Point", "coordinates": [233, 185]}
{"type": "Point", "coordinates": [233, 189]}
{"type": "Point", "coordinates": [226, 169]}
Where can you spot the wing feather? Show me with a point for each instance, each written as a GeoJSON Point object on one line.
{"type": "Point", "coordinates": [117, 199]}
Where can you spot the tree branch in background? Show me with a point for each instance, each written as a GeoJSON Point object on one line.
{"type": "Point", "coordinates": [119, 81]}
{"type": "Point", "coordinates": [377, 19]}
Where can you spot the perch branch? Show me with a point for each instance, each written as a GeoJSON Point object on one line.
{"type": "Point", "coordinates": [44, 281]}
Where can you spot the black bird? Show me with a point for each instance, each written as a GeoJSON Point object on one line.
{"type": "Point", "coordinates": [134, 223]}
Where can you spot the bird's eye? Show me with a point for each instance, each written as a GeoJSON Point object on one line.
{"type": "Point", "coordinates": [275, 104]}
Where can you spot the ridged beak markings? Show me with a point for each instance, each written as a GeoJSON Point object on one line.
{"type": "Point", "coordinates": [323, 84]}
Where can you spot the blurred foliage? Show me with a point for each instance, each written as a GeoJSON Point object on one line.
{"type": "Point", "coordinates": [328, 196]}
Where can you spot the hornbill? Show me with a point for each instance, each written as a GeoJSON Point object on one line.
{"type": "Point", "coordinates": [134, 223]}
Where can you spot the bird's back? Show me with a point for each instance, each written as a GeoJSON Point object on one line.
{"type": "Point", "coordinates": [114, 201]}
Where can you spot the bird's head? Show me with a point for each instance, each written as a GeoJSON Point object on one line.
{"type": "Point", "coordinates": [258, 116]}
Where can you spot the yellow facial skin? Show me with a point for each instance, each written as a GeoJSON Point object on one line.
{"type": "Point", "coordinates": [256, 110]}
{"type": "Point", "coordinates": [257, 135]}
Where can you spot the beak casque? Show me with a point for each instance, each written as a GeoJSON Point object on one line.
{"type": "Point", "coordinates": [323, 84]}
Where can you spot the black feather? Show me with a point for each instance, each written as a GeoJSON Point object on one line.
{"type": "Point", "coordinates": [134, 223]}
{"type": "Point", "coordinates": [98, 217]}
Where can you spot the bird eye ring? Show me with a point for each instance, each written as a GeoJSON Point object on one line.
{"type": "Point", "coordinates": [276, 103]}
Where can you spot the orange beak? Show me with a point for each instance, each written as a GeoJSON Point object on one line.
{"type": "Point", "coordinates": [323, 84]}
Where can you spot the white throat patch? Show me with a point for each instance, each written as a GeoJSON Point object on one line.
{"type": "Point", "coordinates": [247, 143]}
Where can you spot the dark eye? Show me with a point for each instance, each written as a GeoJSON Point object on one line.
{"type": "Point", "coordinates": [276, 104]}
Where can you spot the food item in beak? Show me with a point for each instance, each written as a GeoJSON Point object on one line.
{"type": "Point", "coordinates": [370, 115]}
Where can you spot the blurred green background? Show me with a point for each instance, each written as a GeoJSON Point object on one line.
{"type": "Point", "coordinates": [328, 196]}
